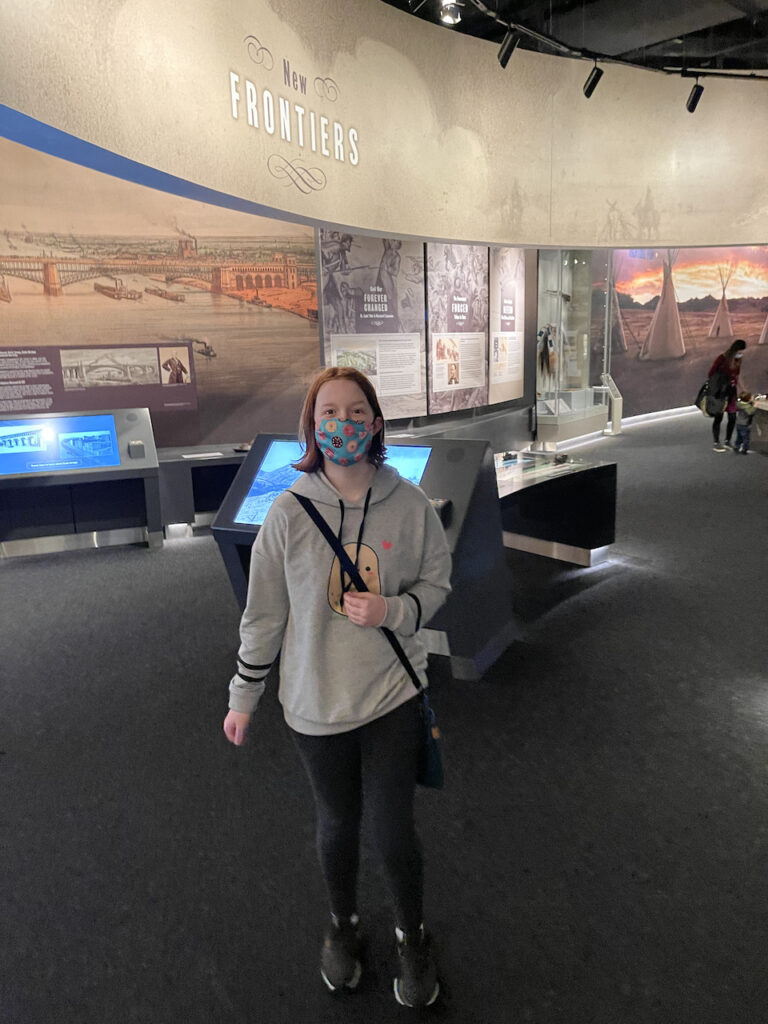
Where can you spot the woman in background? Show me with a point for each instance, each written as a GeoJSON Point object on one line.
{"type": "Point", "coordinates": [724, 377]}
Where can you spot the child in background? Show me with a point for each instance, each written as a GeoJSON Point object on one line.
{"type": "Point", "coordinates": [745, 411]}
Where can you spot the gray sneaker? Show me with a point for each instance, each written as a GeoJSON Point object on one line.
{"type": "Point", "coordinates": [340, 963]}
{"type": "Point", "coordinates": [719, 448]}
{"type": "Point", "coordinates": [416, 984]}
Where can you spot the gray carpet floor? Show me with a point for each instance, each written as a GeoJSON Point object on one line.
{"type": "Point", "coordinates": [599, 854]}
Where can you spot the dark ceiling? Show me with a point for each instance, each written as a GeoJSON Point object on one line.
{"type": "Point", "coordinates": [709, 36]}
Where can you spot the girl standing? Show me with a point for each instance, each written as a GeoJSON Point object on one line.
{"type": "Point", "coordinates": [349, 704]}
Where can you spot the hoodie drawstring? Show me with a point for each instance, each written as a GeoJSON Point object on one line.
{"type": "Point", "coordinates": [345, 587]}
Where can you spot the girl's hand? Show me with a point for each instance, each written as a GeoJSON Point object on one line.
{"type": "Point", "coordinates": [365, 609]}
{"type": "Point", "coordinates": [236, 727]}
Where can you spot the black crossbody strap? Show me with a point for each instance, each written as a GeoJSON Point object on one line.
{"type": "Point", "coordinates": [350, 569]}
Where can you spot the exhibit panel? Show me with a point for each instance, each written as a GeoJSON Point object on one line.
{"type": "Point", "coordinates": [78, 480]}
{"type": "Point", "coordinates": [476, 624]}
{"type": "Point", "coordinates": [372, 302]}
{"type": "Point", "coordinates": [457, 318]}
{"type": "Point", "coordinates": [506, 380]}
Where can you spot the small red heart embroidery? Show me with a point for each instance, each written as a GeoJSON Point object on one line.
{"type": "Point", "coordinates": [386, 544]}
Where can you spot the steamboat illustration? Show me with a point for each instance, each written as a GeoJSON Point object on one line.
{"type": "Point", "coordinates": [116, 290]}
{"type": "Point", "coordinates": [163, 293]}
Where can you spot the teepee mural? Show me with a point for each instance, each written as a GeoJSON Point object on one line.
{"type": "Point", "coordinates": [618, 335]}
{"type": "Point", "coordinates": [721, 325]}
{"type": "Point", "coordinates": [665, 335]}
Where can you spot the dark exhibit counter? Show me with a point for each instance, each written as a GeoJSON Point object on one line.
{"type": "Point", "coordinates": [557, 506]}
{"type": "Point", "coordinates": [194, 481]}
{"type": "Point", "coordinates": [758, 440]}
{"type": "Point", "coordinates": [77, 480]}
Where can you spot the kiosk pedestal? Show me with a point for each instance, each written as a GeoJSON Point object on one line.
{"type": "Point", "coordinates": [476, 624]}
{"type": "Point", "coordinates": [78, 480]}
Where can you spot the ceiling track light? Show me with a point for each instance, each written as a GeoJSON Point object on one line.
{"type": "Point", "coordinates": [508, 45]}
{"type": "Point", "coordinates": [450, 12]}
{"type": "Point", "coordinates": [693, 97]}
{"type": "Point", "coordinates": [593, 78]}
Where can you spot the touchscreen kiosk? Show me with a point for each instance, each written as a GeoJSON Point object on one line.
{"type": "Point", "coordinates": [86, 475]}
{"type": "Point", "coordinates": [458, 477]}
{"type": "Point", "coordinates": [57, 444]}
{"type": "Point", "coordinates": [276, 473]}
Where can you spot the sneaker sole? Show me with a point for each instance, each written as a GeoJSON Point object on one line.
{"type": "Point", "coordinates": [402, 1002]}
{"type": "Point", "coordinates": [350, 985]}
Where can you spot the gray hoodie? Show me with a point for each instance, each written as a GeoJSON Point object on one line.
{"type": "Point", "coordinates": [335, 676]}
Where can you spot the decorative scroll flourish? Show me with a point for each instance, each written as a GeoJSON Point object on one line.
{"type": "Point", "coordinates": [259, 54]}
{"type": "Point", "coordinates": [306, 179]}
{"type": "Point", "coordinates": [327, 89]}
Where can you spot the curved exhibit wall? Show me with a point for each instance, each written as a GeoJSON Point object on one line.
{"type": "Point", "coordinates": [362, 115]}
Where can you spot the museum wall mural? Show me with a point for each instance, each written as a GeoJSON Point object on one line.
{"type": "Point", "coordinates": [115, 295]}
{"type": "Point", "coordinates": [675, 310]}
{"type": "Point", "coordinates": [360, 114]}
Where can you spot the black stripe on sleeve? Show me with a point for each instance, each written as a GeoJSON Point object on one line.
{"type": "Point", "coordinates": [254, 668]}
{"type": "Point", "coordinates": [418, 610]}
{"type": "Point", "coordinates": [250, 679]}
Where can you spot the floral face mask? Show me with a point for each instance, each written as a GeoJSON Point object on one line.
{"type": "Point", "coordinates": [343, 441]}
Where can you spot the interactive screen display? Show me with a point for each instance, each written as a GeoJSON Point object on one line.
{"type": "Point", "coordinates": [58, 443]}
{"type": "Point", "coordinates": [276, 474]}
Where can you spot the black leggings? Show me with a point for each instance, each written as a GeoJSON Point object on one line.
{"type": "Point", "coordinates": [379, 761]}
{"type": "Point", "coordinates": [717, 420]}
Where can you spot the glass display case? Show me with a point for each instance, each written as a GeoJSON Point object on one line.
{"type": "Point", "coordinates": [555, 505]}
{"type": "Point", "coordinates": [516, 470]}
{"type": "Point", "coordinates": [570, 355]}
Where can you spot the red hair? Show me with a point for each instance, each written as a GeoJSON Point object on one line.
{"type": "Point", "coordinates": [312, 459]}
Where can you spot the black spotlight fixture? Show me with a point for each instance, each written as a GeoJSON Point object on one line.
{"type": "Point", "coordinates": [593, 78]}
{"type": "Point", "coordinates": [693, 97]}
{"type": "Point", "coordinates": [507, 48]}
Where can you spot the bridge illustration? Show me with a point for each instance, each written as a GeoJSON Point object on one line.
{"type": "Point", "coordinates": [54, 273]}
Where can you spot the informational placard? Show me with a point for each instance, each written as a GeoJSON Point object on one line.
{"type": "Point", "coordinates": [457, 295]}
{"type": "Point", "coordinates": [48, 379]}
{"type": "Point", "coordinates": [507, 324]}
{"type": "Point", "coordinates": [373, 315]}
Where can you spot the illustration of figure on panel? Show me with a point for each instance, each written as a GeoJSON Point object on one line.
{"type": "Point", "coordinates": [389, 268]}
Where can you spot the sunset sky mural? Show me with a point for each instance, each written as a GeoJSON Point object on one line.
{"type": "Point", "coordinates": [695, 273]}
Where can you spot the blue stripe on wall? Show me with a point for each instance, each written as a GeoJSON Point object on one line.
{"type": "Point", "coordinates": [18, 127]}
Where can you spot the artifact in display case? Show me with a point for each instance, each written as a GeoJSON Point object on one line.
{"type": "Point", "coordinates": [571, 301]}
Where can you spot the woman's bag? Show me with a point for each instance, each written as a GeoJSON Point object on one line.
{"type": "Point", "coordinates": [714, 405]}
{"type": "Point", "coordinates": [429, 771]}
{"type": "Point", "coordinates": [713, 394]}
{"type": "Point", "coordinates": [701, 399]}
